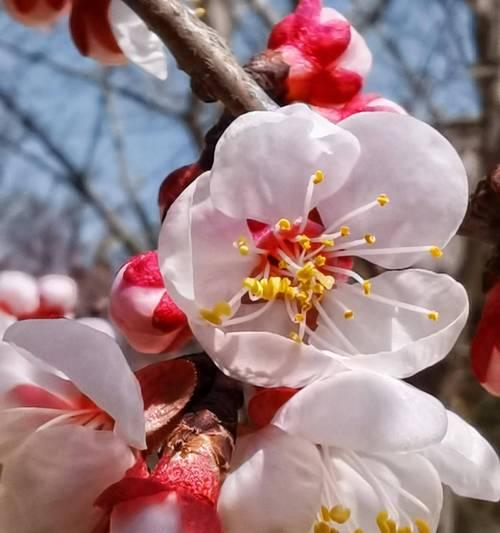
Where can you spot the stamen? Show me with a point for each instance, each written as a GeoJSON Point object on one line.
{"type": "Point", "coordinates": [251, 316]}
{"type": "Point", "coordinates": [214, 315]}
{"type": "Point", "coordinates": [367, 239]}
{"type": "Point", "coordinates": [348, 314]}
{"type": "Point", "coordinates": [325, 513]}
{"type": "Point", "coordinates": [321, 527]}
{"type": "Point", "coordinates": [370, 239]}
{"type": "Point", "coordinates": [355, 213]}
{"type": "Point", "coordinates": [345, 272]}
{"type": "Point", "coordinates": [431, 315]}
{"type": "Point", "coordinates": [320, 260]}
{"type": "Point", "coordinates": [328, 322]}
{"type": "Point", "coordinates": [295, 337]}
{"type": "Point", "coordinates": [315, 179]}
{"type": "Point", "coordinates": [433, 250]}
{"type": "Point", "coordinates": [383, 200]}
{"type": "Point", "coordinates": [242, 246]}
{"type": "Point", "coordinates": [304, 241]}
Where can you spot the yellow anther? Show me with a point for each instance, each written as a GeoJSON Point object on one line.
{"type": "Point", "coordinates": [392, 525]}
{"type": "Point", "coordinates": [321, 527]}
{"type": "Point", "coordinates": [319, 176]}
{"type": "Point", "coordinates": [325, 514]}
{"type": "Point", "coordinates": [433, 315]}
{"type": "Point", "coordinates": [383, 199]}
{"type": "Point", "coordinates": [307, 306]}
{"type": "Point", "coordinates": [291, 293]}
{"type": "Point", "coordinates": [244, 249]}
{"type": "Point", "coordinates": [359, 530]}
{"type": "Point", "coordinates": [367, 288]}
{"type": "Point", "coordinates": [422, 526]}
{"type": "Point", "coordinates": [254, 286]}
{"type": "Point", "coordinates": [284, 285]}
{"type": "Point", "coordinates": [405, 529]}
{"type": "Point", "coordinates": [318, 289]}
{"type": "Point", "coordinates": [348, 314]}
{"type": "Point", "coordinates": [299, 317]}
{"type": "Point", "coordinates": [283, 264]}
{"type": "Point", "coordinates": [340, 514]}
{"type": "Point", "coordinates": [382, 519]}
{"type": "Point", "coordinates": [345, 231]}
{"type": "Point", "coordinates": [370, 238]}
{"type": "Point", "coordinates": [328, 242]}
{"type": "Point", "coordinates": [284, 224]}
{"type": "Point", "coordinates": [296, 338]}
{"type": "Point", "coordinates": [271, 287]}
{"type": "Point", "coordinates": [301, 297]}
{"type": "Point", "coordinates": [214, 315]}
{"type": "Point", "coordinates": [327, 281]}
{"type": "Point", "coordinates": [200, 12]}
{"type": "Point", "coordinates": [435, 251]}
{"type": "Point", "coordinates": [320, 260]}
{"type": "Point", "coordinates": [306, 273]}
{"type": "Point", "coordinates": [304, 241]}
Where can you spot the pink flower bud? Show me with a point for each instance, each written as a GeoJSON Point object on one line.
{"type": "Point", "coordinates": [36, 12]}
{"type": "Point", "coordinates": [18, 293]}
{"type": "Point", "coordinates": [58, 295]}
{"type": "Point", "coordinates": [143, 311]}
{"type": "Point", "coordinates": [359, 104]}
{"type": "Point", "coordinates": [328, 58]}
{"type": "Point", "coordinates": [485, 348]}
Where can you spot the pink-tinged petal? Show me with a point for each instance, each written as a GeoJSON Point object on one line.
{"type": "Point", "coordinates": [137, 41]}
{"type": "Point", "coordinates": [58, 294]}
{"type": "Point", "coordinates": [93, 362]}
{"type": "Point", "coordinates": [405, 486]}
{"type": "Point", "coordinates": [263, 154]}
{"type": "Point", "coordinates": [466, 461]}
{"type": "Point", "coordinates": [405, 341]}
{"type": "Point", "coordinates": [57, 474]}
{"type": "Point", "coordinates": [6, 320]}
{"type": "Point", "coordinates": [18, 369]}
{"type": "Point", "coordinates": [363, 411]}
{"type": "Point", "coordinates": [420, 172]}
{"type": "Point", "coordinates": [274, 484]}
{"type": "Point", "coordinates": [18, 293]}
{"type": "Point", "coordinates": [19, 423]}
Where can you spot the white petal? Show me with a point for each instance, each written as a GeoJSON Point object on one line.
{"type": "Point", "coordinates": [264, 161]}
{"type": "Point", "coordinates": [274, 486]}
{"type": "Point", "coordinates": [156, 514]}
{"type": "Point", "coordinates": [5, 321]}
{"type": "Point", "coordinates": [218, 267]}
{"type": "Point", "coordinates": [100, 324]}
{"type": "Point", "coordinates": [19, 292]}
{"type": "Point", "coordinates": [396, 341]}
{"type": "Point", "coordinates": [420, 172]}
{"type": "Point", "coordinates": [406, 486]}
{"type": "Point", "coordinates": [52, 481]}
{"type": "Point", "coordinates": [357, 410]}
{"type": "Point", "coordinates": [466, 461]}
{"type": "Point", "coordinates": [137, 42]}
{"type": "Point", "coordinates": [266, 359]}
{"type": "Point", "coordinates": [18, 367]}
{"type": "Point", "coordinates": [94, 363]}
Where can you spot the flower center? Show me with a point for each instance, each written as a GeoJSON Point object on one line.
{"type": "Point", "coordinates": [300, 262]}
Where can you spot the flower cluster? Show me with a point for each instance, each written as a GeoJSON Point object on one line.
{"type": "Point", "coordinates": [22, 296]}
{"type": "Point", "coordinates": [289, 261]}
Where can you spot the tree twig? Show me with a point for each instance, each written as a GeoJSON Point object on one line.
{"type": "Point", "coordinates": [203, 55]}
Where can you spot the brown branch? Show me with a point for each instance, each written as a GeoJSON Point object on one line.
{"type": "Point", "coordinates": [203, 55]}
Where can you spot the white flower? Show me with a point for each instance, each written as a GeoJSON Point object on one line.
{"type": "Point", "coordinates": [358, 452]}
{"type": "Point", "coordinates": [19, 294]}
{"type": "Point", "coordinates": [258, 252]}
{"type": "Point", "coordinates": [136, 41]}
{"type": "Point", "coordinates": [70, 412]}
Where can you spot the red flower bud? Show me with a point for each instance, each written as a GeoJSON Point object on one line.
{"type": "Point", "coordinates": [36, 12]}
{"type": "Point", "coordinates": [174, 184]}
{"type": "Point", "coordinates": [485, 347]}
{"type": "Point", "coordinates": [327, 57]}
{"type": "Point", "coordinates": [92, 33]}
{"type": "Point", "coordinates": [142, 309]}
